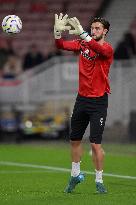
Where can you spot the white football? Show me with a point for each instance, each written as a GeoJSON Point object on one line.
{"type": "Point", "coordinates": [12, 24]}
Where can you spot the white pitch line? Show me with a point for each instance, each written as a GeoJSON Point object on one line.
{"type": "Point", "coordinates": [24, 171]}
{"type": "Point", "coordinates": [61, 169]}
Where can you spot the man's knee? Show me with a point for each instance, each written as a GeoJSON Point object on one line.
{"type": "Point", "coordinates": [97, 148]}
{"type": "Point", "coordinates": [75, 143]}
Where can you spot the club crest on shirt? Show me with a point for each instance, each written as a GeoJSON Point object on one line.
{"type": "Point", "coordinates": [101, 121]}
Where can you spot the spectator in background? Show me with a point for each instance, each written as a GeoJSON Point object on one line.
{"type": "Point", "coordinates": [32, 58]}
{"type": "Point", "coordinates": [12, 67]}
{"type": "Point", "coordinates": [121, 52]}
{"type": "Point", "coordinates": [126, 48]}
{"type": "Point", "coordinates": [5, 50]}
{"type": "Point", "coordinates": [131, 43]}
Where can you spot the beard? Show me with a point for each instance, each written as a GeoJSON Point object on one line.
{"type": "Point", "coordinates": [98, 38]}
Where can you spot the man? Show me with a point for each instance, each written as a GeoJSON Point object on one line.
{"type": "Point", "coordinates": [95, 58]}
{"type": "Point", "coordinates": [33, 57]}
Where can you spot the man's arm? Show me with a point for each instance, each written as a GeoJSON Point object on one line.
{"type": "Point", "coordinates": [103, 50]}
{"type": "Point", "coordinates": [68, 45]}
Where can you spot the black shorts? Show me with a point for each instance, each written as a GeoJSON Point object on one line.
{"type": "Point", "coordinates": [93, 110]}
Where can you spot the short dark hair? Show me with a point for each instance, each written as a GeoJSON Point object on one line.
{"type": "Point", "coordinates": [103, 21]}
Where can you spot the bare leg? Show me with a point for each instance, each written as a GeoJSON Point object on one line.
{"type": "Point", "coordinates": [97, 156]}
{"type": "Point", "coordinates": [76, 176]}
{"type": "Point", "coordinates": [76, 151]}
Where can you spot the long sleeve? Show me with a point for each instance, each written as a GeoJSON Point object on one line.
{"type": "Point", "coordinates": [103, 50]}
{"type": "Point", "coordinates": [68, 45]}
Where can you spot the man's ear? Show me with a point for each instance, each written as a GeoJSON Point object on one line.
{"type": "Point", "coordinates": [105, 31]}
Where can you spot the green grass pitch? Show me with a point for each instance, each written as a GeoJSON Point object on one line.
{"type": "Point", "coordinates": [25, 179]}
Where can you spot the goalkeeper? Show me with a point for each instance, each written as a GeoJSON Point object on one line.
{"type": "Point", "coordinates": [95, 58]}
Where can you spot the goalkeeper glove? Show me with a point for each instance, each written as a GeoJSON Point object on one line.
{"type": "Point", "coordinates": [78, 29]}
{"type": "Point", "coordinates": [60, 25]}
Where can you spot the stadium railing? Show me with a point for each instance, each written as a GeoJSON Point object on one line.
{"type": "Point", "coordinates": [57, 80]}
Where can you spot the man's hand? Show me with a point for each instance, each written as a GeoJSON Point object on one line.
{"type": "Point", "coordinates": [78, 29]}
{"type": "Point", "coordinates": [60, 25]}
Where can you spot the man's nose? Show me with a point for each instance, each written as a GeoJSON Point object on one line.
{"type": "Point", "coordinates": [93, 33]}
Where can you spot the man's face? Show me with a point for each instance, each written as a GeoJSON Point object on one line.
{"type": "Point", "coordinates": [97, 31]}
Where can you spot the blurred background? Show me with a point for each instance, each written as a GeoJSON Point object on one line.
{"type": "Point", "coordinates": [38, 83]}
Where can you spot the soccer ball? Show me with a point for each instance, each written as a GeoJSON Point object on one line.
{"type": "Point", "coordinates": [11, 24]}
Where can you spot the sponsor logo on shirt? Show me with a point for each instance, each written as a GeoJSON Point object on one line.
{"type": "Point", "coordinates": [85, 55]}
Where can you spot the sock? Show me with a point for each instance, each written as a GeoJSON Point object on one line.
{"type": "Point", "coordinates": [75, 169]}
{"type": "Point", "coordinates": [99, 176]}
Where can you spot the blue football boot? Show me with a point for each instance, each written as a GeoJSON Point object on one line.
{"type": "Point", "coordinates": [73, 182]}
{"type": "Point", "coordinates": [100, 188]}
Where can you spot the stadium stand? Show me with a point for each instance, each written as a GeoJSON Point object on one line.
{"type": "Point", "coordinates": [38, 19]}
